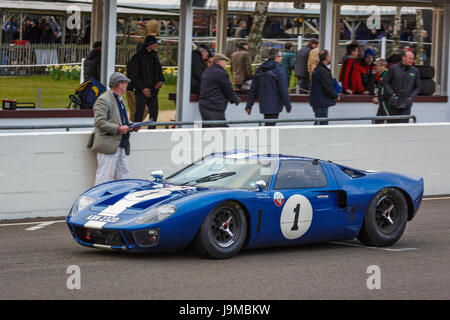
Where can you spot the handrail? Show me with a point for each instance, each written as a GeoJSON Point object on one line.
{"type": "Point", "coordinates": [199, 123]}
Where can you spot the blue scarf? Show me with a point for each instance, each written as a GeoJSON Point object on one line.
{"type": "Point", "coordinates": [125, 122]}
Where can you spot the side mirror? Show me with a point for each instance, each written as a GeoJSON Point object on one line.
{"type": "Point", "coordinates": [260, 185]}
{"type": "Point", "coordinates": [157, 175]}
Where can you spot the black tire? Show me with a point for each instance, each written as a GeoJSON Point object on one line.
{"type": "Point", "coordinates": [213, 240]}
{"type": "Point", "coordinates": [426, 72]}
{"type": "Point", "coordinates": [385, 219]}
{"type": "Point", "coordinates": [427, 87]}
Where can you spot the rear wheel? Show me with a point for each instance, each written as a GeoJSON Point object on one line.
{"type": "Point", "coordinates": [223, 232]}
{"type": "Point", "coordinates": [385, 219]}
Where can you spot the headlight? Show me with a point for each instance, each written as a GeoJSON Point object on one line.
{"type": "Point", "coordinates": [157, 214]}
{"type": "Point", "coordinates": [82, 203]}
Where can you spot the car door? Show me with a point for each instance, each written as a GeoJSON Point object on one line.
{"type": "Point", "coordinates": [303, 205]}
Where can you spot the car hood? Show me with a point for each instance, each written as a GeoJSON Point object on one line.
{"type": "Point", "coordinates": [137, 198]}
{"type": "Point", "coordinates": [120, 203]}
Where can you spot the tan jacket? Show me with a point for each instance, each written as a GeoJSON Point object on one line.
{"type": "Point", "coordinates": [313, 60]}
{"type": "Point", "coordinates": [241, 66]}
{"type": "Point", "coordinates": [106, 138]}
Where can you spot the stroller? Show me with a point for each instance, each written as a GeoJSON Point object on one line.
{"type": "Point", "coordinates": [86, 94]}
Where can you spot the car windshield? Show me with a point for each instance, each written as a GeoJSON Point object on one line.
{"type": "Point", "coordinates": [225, 172]}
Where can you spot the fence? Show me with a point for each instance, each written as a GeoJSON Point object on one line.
{"type": "Point", "coordinates": [31, 59]}
{"type": "Point", "coordinates": [215, 123]}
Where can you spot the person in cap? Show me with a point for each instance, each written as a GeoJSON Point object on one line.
{"type": "Point", "coordinates": [241, 65]}
{"type": "Point", "coordinates": [91, 67]}
{"type": "Point", "coordinates": [111, 135]}
{"type": "Point", "coordinates": [216, 91]}
{"type": "Point", "coordinates": [146, 74]}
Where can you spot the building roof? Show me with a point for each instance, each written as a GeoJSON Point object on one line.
{"type": "Point", "coordinates": [50, 7]}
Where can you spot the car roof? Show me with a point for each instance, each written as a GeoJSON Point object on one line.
{"type": "Point", "coordinates": [248, 154]}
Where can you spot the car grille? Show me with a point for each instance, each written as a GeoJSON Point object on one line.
{"type": "Point", "coordinates": [102, 237]}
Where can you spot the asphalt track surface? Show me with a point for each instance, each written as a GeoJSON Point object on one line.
{"type": "Point", "coordinates": [34, 265]}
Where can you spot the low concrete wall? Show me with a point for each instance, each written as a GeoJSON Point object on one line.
{"type": "Point", "coordinates": [41, 174]}
{"type": "Point", "coordinates": [424, 112]}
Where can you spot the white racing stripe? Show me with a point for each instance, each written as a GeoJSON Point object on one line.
{"type": "Point", "coordinates": [130, 200]}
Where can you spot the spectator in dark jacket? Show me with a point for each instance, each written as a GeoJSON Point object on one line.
{"type": "Point", "coordinates": [401, 86]}
{"type": "Point", "coordinates": [147, 77]}
{"type": "Point", "coordinates": [216, 91]}
{"type": "Point", "coordinates": [301, 65]}
{"type": "Point", "coordinates": [323, 94]}
{"type": "Point", "coordinates": [199, 56]}
{"type": "Point", "coordinates": [92, 62]}
{"type": "Point", "coordinates": [47, 36]}
{"type": "Point", "coordinates": [270, 87]}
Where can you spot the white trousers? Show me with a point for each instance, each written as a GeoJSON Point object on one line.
{"type": "Point", "coordinates": [112, 166]}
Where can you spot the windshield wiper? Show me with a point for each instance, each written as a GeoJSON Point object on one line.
{"type": "Point", "coordinates": [211, 177]}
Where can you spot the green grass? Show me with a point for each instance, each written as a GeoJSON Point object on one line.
{"type": "Point", "coordinates": [55, 94]}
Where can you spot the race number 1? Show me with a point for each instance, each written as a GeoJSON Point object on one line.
{"type": "Point", "coordinates": [296, 217]}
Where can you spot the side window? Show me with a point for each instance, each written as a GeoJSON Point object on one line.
{"type": "Point", "coordinates": [300, 174]}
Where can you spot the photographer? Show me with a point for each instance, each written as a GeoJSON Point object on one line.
{"type": "Point", "coordinates": [401, 86]}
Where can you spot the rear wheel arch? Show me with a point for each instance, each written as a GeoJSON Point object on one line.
{"type": "Point", "coordinates": [409, 202]}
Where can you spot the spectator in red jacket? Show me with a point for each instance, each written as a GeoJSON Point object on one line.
{"type": "Point", "coordinates": [347, 75]}
{"type": "Point", "coordinates": [365, 74]}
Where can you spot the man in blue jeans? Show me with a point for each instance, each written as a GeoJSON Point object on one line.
{"type": "Point", "coordinates": [323, 94]}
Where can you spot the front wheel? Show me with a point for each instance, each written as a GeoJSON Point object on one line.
{"type": "Point", "coordinates": [223, 232]}
{"type": "Point", "coordinates": [385, 219]}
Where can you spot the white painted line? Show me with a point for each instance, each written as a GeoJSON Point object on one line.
{"type": "Point", "coordinates": [29, 223]}
{"type": "Point", "coordinates": [40, 226]}
{"type": "Point", "coordinates": [376, 248]}
{"type": "Point", "coordinates": [439, 198]}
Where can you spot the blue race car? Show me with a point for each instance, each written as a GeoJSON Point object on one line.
{"type": "Point", "coordinates": [233, 200]}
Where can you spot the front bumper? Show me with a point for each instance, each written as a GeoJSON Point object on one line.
{"type": "Point", "coordinates": [116, 239]}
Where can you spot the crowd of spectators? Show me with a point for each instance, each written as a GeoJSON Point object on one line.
{"type": "Point", "coordinates": [45, 30]}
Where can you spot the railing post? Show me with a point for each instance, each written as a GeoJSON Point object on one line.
{"type": "Point", "coordinates": [383, 48]}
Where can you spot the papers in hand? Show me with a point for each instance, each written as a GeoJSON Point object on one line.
{"type": "Point", "coordinates": [140, 124]}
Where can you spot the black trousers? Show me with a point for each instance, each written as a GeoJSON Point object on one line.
{"type": "Point", "coordinates": [210, 115]}
{"type": "Point", "coordinates": [270, 116]}
{"type": "Point", "coordinates": [304, 85]}
{"type": "Point", "coordinates": [152, 104]}
{"type": "Point", "coordinates": [399, 112]}
{"type": "Point", "coordinates": [320, 112]}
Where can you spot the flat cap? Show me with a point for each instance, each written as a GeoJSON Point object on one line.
{"type": "Point", "coordinates": [218, 57]}
{"type": "Point", "coordinates": [117, 77]}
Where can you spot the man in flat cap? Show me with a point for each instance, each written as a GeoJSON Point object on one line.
{"type": "Point", "coordinates": [147, 77]}
{"type": "Point", "coordinates": [111, 135]}
{"type": "Point", "coordinates": [241, 65]}
{"type": "Point", "coordinates": [216, 91]}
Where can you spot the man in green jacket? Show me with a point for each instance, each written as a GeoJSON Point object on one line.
{"type": "Point", "coordinates": [288, 60]}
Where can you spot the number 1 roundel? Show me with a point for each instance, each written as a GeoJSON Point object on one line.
{"type": "Point", "coordinates": [296, 217]}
